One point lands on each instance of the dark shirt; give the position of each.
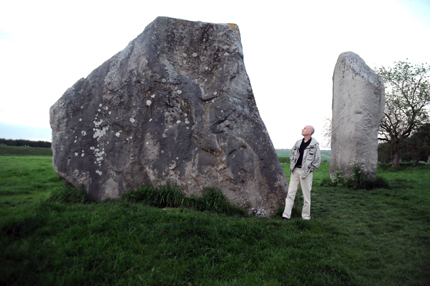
(302, 150)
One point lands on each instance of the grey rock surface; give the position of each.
(358, 108)
(176, 104)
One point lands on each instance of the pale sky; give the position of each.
(290, 50)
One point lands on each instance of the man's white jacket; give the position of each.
(311, 157)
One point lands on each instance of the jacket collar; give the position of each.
(313, 142)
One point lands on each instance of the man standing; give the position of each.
(305, 158)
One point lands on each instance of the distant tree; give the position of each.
(418, 144)
(407, 95)
(415, 148)
(384, 153)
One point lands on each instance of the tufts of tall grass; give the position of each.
(159, 196)
(163, 196)
(377, 183)
(68, 194)
(171, 196)
(356, 181)
(214, 200)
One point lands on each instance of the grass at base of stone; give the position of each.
(170, 195)
(355, 237)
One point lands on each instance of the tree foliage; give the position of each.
(407, 96)
(418, 145)
(416, 148)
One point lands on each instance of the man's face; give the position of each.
(307, 130)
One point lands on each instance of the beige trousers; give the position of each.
(306, 184)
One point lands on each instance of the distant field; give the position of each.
(29, 151)
(325, 154)
(37, 151)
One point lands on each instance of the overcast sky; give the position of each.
(290, 50)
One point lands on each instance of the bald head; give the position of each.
(307, 131)
(311, 128)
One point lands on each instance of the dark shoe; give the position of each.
(284, 218)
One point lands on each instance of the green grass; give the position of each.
(171, 196)
(25, 180)
(355, 237)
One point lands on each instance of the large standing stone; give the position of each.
(358, 108)
(176, 104)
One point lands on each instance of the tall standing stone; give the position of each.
(176, 104)
(358, 108)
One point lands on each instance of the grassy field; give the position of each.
(325, 154)
(355, 237)
(24, 151)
